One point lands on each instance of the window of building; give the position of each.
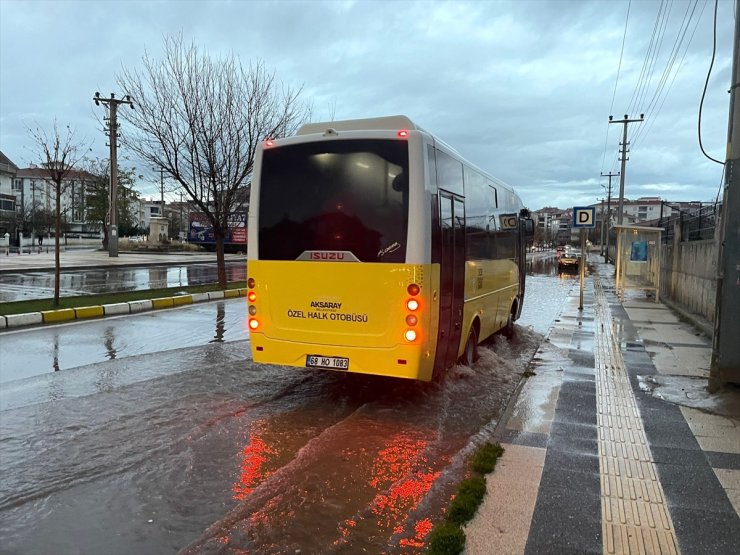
(17, 184)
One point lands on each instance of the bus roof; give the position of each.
(387, 122)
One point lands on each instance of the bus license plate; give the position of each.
(335, 363)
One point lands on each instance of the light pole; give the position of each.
(112, 104)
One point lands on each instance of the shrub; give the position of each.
(447, 539)
(484, 459)
(468, 499)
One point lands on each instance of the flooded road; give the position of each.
(198, 449)
(39, 284)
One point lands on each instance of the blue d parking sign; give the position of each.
(584, 217)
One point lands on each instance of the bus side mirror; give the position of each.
(529, 227)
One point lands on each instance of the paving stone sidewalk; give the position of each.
(614, 445)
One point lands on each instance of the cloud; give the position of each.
(522, 89)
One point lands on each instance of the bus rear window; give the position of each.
(341, 195)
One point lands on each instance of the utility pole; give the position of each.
(725, 365)
(624, 144)
(601, 233)
(112, 104)
(161, 189)
(608, 211)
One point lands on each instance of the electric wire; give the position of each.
(651, 112)
(654, 58)
(645, 62)
(675, 50)
(721, 182)
(616, 82)
(706, 84)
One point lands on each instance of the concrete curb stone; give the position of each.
(199, 297)
(27, 319)
(139, 306)
(115, 309)
(61, 315)
(88, 312)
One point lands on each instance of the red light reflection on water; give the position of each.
(254, 457)
(402, 477)
(421, 531)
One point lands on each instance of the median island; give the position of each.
(42, 305)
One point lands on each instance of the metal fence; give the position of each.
(696, 224)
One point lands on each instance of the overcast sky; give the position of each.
(522, 89)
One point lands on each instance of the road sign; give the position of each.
(584, 217)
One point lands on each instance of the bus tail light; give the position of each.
(413, 289)
(251, 283)
(252, 310)
(411, 320)
(410, 335)
(412, 305)
(251, 296)
(403, 133)
(253, 323)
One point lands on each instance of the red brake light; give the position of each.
(413, 289)
(251, 296)
(403, 133)
(269, 142)
(250, 283)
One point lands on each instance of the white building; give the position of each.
(147, 209)
(7, 197)
(34, 191)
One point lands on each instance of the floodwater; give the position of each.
(24, 286)
(198, 449)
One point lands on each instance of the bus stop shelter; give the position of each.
(638, 259)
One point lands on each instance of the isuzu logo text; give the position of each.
(326, 256)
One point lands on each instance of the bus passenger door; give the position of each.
(452, 277)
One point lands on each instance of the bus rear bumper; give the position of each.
(414, 362)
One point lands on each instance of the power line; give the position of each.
(669, 68)
(643, 71)
(616, 82)
(706, 83)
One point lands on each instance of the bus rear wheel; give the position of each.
(470, 354)
(508, 330)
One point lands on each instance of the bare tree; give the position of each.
(58, 154)
(200, 119)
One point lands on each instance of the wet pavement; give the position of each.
(153, 438)
(614, 445)
(31, 276)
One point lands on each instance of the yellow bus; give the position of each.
(373, 247)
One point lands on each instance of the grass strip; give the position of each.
(448, 537)
(38, 305)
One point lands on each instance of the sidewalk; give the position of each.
(81, 259)
(614, 446)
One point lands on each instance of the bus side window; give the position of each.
(449, 174)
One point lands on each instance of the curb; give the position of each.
(99, 311)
